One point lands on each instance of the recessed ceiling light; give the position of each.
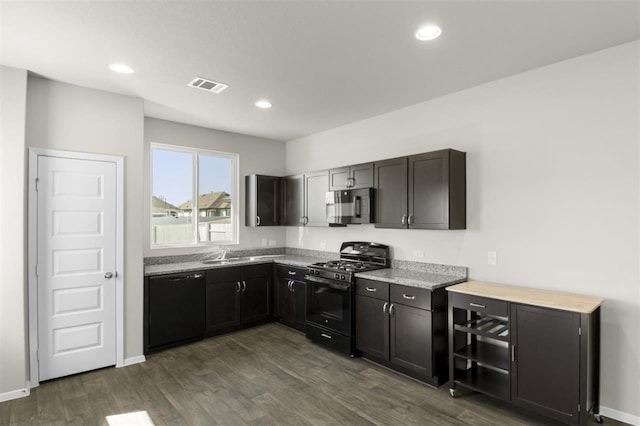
(121, 68)
(263, 104)
(428, 32)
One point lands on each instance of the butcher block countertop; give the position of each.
(530, 296)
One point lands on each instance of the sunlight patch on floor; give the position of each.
(135, 418)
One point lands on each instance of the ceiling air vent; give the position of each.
(208, 85)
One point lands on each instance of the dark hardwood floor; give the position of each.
(265, 375)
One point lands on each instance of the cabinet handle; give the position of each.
(384, 307)
(408, 297)
(371, 289)
(326, 336)
(391, 309)
(244, 286)
(477, 305)
(301, 220)
(257, 220)
(197, 275)
(239, 287)
(404, 219)
(290, 285)
(291, 272)
(513, 353)
(410, 219)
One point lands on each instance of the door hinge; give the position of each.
(37, 180)
(578, 408)
(38, 355)
(36, 270)
(579, 331)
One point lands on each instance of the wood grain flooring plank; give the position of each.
(267, 375)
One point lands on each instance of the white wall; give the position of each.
(257, 155)
(13, 325)
(72, 118)
(552, 186)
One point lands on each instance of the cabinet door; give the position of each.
(362, 176)
(437, 190)
(292, 200)
(546, 371)
(268, 200)
(339, 178)
(284, 301)
(256, 306)
(262, 200)
(222, 299)
(316, 186)
(372, 327)
(410, 346)
(391, 193)
(299, 303)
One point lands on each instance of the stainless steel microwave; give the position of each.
(350, 206)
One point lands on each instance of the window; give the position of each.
(194, 196)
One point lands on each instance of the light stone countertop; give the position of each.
(412, 278)
(420, 279)
(175, 268)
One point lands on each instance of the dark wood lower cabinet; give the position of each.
(411, 339)
(540, 358)
(403, 328)
(291, 296)
(238, 297)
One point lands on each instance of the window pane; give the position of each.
(215, 180)
(171, 204)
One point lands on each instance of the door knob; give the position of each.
(108, 275)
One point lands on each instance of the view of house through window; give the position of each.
(192, 196)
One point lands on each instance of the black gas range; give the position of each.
(331, 295)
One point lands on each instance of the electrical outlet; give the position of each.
(418, 253)
(492, 258)
(264, 242)
(272, 242)
(323, 245)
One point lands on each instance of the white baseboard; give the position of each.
(20, 393)
(132, 360)
(620, 416)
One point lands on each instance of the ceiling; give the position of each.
(322, 64)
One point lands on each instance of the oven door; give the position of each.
(329, 304)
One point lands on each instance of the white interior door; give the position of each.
(76, 264)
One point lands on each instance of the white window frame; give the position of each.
(235, 190)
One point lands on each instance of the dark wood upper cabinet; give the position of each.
(391, 193)
(351, 177)
(316, 186)
(424, 191)
(303, 201)
(263, 200)
(293, 200)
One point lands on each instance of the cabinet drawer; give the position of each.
(371, 288)
(291, 272)
(479, 304)
(330, 339)
(411, 296)
(256, 271)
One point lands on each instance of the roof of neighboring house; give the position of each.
(158, 205)
(212, 200)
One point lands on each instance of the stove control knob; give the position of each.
(317, 272)
(342, 277)
(337, 276)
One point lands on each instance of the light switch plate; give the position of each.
(264, 242)
(418, 253)
(492, 258)
(272, 242)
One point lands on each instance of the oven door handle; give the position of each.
(327, 282)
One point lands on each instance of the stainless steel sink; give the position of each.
(239, 259)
